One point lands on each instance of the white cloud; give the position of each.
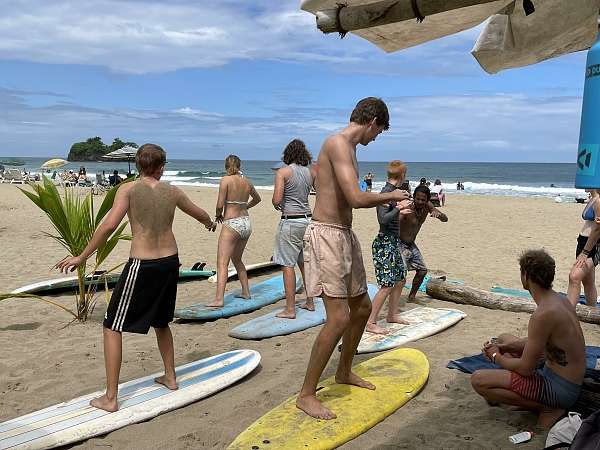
(135, 36)
(501, 127)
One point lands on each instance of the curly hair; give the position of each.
(371, 108)
(423, 189)
(233, 165)
(297, 153)
(538, 266)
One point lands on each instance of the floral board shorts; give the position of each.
(387, 259)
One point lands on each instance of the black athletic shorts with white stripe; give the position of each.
(144, 296)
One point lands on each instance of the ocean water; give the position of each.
(509, 179)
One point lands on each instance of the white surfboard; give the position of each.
(139, 400)
(424, 322)
(249, 268)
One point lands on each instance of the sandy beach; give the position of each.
(44, 362)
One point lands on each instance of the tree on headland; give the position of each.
(118, 143)
(93, 148)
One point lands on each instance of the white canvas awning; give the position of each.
(510, 38)
(557, 27)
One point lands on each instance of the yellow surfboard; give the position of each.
(398, 375)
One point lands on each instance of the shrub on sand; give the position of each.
(74, 222)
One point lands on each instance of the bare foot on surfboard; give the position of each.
(169, 383)
(244, 296)
(376, 329)
(104, 403)
(314, 408)
(397, 318)
(354, 380)
(286, 314)
(309, 306)
(215, 304)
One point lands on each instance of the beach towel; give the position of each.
(470, 364)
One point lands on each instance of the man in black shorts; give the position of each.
(145, 294)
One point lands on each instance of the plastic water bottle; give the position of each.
(523, 436)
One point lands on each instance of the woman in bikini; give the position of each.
(232, 211)
(587, 254)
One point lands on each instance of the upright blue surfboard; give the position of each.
(363, 186)
(588, 175)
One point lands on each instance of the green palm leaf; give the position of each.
(73, 219)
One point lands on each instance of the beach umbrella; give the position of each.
(126, 153)
(54, 163)
(517, 32)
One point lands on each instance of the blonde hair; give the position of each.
(396, 169)
(233, 165)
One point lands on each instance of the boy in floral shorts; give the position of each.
(390, 269)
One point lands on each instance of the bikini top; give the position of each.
(588, 212)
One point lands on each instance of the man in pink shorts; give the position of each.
(332, 254)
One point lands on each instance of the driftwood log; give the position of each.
(476, 297)
(358, 17)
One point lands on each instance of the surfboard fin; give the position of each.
(198, 266)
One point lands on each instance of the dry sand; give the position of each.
(42, 362)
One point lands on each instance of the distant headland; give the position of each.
(93, 148)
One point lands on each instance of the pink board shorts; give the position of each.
(333, 261)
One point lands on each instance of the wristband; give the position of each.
(494, 357)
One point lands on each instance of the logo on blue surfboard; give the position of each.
(587, 157)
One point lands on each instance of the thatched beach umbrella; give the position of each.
(54, 163)
(123, 154)
(518, 32)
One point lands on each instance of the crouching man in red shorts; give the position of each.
(554, 334)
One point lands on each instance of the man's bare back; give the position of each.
(151, 211)
(565, 346)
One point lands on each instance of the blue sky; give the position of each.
(212, 77)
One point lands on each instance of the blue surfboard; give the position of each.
(262, 294)
(423, 287)
(363, 186)
(269, 325)
(521, 293)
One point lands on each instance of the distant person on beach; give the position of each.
(587, 254)
(232, 211)
(114, 179)
(332, 254)
(438, 190)
(410, 225)
(423, 181)
(405, 186)
(369, 180)
(145, 294)
(553, 331)
(390, 271)
(293, 183)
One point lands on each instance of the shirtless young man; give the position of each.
(145, 294)
(410, 225)
(332, 255)
(554, 332)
